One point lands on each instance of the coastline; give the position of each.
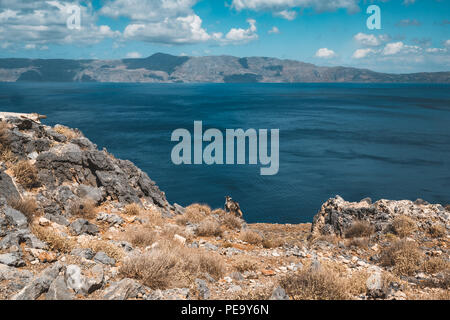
(95, 225)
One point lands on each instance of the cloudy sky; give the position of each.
(414, 34)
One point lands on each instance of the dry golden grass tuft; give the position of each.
(67, 132)
(110, 249)
(132, 209)
(55, 241)
(169, 264)
(209, 227)
(403, 226)
(242, 264)
(85, 208)
(154, 268)
(315, 285)
(196, 212)
(359, 243)
(231, 222)
(437, 231)
(141, 236)
(28, 206)
(26, 174)
(270, 243)
(404, 256)
(359, 229)
(435, 265)
(251, 237)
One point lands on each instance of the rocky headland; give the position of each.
(77, 223)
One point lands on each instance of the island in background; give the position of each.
(165, 68)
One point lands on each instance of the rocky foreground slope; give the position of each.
(77, 223)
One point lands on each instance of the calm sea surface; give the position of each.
(378, 141)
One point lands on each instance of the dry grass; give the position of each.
(359, 243)
(435, 265)
(315, 285)
(242, 264)
(403, 226)
(270, 243)
(195, 213)
(67, 132)
(141, 237)
(55, 241)
(404, 256)
(172, 265)
(28, 206)
(132, 209)
(437, 231)
(26, 174)
(231, 222)
(85, 208)
(110, 249)
(359, 229)
(251, 237)
(209, 227)
(155, 268)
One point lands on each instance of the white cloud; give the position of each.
(41, 22)
(362, 53)
(370, 39)
(286, 14)
(394, 48)
(239, 35)
(134, 55)
(447, 43)
(325, 53)
(274, 30)
(278, 5)
(181, 30)
(30, 46)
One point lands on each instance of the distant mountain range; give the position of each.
(162, 67)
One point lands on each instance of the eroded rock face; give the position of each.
(337, 215)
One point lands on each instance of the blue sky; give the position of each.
(414, 34)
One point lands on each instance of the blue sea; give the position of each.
(355, 140)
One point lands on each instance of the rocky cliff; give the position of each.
(77, 223)
(218, 69)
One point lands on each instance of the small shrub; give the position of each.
(26, 174)
(27, 206)
(83, 208)
(231, 222)
(141, 237)
(211, 263)
(55, 241)
(437, 231)
(403, 226)
(359, 229)
(315, 285)
(251, 237)
(359, 242)
(209, 228)
(243, 264)
(110, 249)
(69, 133)
(4, 134)
(196, 212)
(272, 243)
(155, 268)
(132, 209)
(404, 256)
(435, 265)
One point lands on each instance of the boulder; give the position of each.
(122, 290)
(12, 259)
(16, 218)
(104, 258)
(82, 226)
(7, 188)
(39, 284)
(58, 290)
